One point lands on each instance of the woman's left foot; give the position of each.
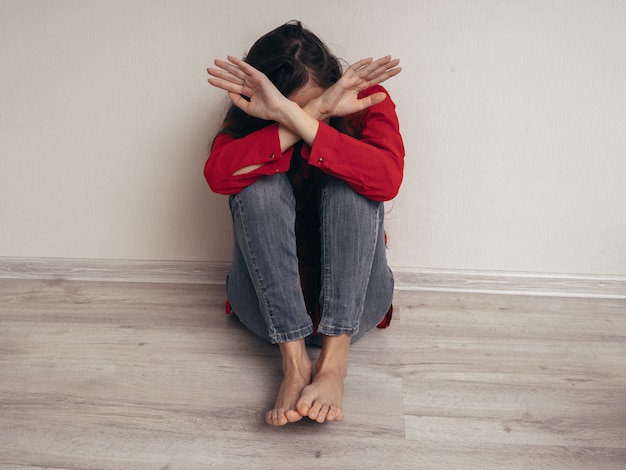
(323, 399)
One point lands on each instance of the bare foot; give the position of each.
(323, 399)
(297, 375)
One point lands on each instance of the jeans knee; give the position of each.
(265, 196)
(338, 194)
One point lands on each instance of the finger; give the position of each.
(384, 63)
(379, 76)
(388, 74)
(232, 88)
(385, 75)
(393, 72)
(360, 64)
(217, 83)
(231, 69)
(225, 76)
(239, 101)
(391, 64)
(227, 85)
(223, 84)
(372, 100)
(242, 65)
(380, 66)
(376, 64)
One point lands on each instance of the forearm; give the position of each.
(371, 161)
(287, 138)
(294, 125)
(234, 163)
(297, 124)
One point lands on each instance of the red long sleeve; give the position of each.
(372, 162)
(229, 154)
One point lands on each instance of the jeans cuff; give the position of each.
(285, 337)
(330, 330)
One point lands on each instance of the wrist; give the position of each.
(315, 109)
(281, 112)
(300, 122)
(287, 113)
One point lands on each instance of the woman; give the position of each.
(307, 155)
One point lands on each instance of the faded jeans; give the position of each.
(263, 285)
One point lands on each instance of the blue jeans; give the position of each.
(263, 285)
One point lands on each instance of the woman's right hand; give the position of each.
(249, 89)
(342, 99)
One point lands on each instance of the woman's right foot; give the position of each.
(297, 368)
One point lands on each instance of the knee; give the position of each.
(338, 194)
(265, 195)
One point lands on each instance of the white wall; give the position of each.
(513, 113)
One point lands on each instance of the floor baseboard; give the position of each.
(176, 272)
(516, 283)
(410, 279)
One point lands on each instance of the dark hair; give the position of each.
(289, 56)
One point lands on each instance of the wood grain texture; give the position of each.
(68, 269)
(134, 375)
(428, 280)
(511, 283)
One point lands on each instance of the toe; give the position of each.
(275, 418)
(314, 411)
(334, 414)
(293, 416)
(281, 419)
(303, 407)
(322, 414)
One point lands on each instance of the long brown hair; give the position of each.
(289, 56)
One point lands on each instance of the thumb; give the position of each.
(239, 101)
(373, 99)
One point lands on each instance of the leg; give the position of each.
(243, 297)
(264, 283)
(357, 284)
(356, 293)
(379, 295)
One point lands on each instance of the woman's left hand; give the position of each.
(342, 99)
(249, 90)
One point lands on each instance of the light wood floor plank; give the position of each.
(127, 375)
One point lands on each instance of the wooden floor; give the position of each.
(106, 375)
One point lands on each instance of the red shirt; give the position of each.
(371, 162)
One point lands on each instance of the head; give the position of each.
(291, 56)
(294, 59)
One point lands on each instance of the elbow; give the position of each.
(391, 188)
(392, 194)
(387, 194)
(382, 193)
(216, 182)
(215, 186)
(397, 183)
(220, 186)
(392, 175)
